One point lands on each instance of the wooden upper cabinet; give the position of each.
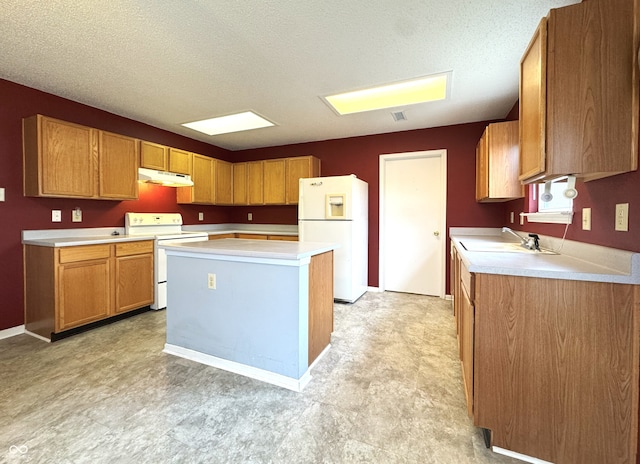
(497, 163)
(223, 183)
(60, 158)
(203, 179)
(240, 183)
(274, 182)
(179, 161)
(579, 93)
(118, 166)
(296, 169)
(255, 183)
(153, 156)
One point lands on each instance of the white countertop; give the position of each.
(104, 235)
(592, 263)
(266, 249)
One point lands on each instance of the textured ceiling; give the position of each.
(167, 62)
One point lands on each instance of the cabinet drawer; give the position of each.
(134, 248)
(286, 238)
(468, 281)
(221, 236)
(84, 253)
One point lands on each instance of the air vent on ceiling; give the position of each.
(399, 116)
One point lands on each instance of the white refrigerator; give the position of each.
(335, 209)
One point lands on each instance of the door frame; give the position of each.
(442, 154)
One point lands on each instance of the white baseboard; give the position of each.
(11, 332)
(374, 289)
(522, 457)
(37, 336)
(248, 371)
(448, 297)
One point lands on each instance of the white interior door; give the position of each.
(412, 222)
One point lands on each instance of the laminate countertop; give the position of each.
(571, 261)
(254, 249)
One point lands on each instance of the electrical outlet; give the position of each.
(1, 193)
(622, 217)
(56, 215)
(76, 215)
(586, 218)
(511, 217)
(211, 281)
(200, 216)
(521, 219)
(249, 216)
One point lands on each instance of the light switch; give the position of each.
(56, 215)
(586, 218)
(1, 193)
(200, 216)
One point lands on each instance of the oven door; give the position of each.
(160, 291)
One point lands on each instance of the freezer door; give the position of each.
(315, 193)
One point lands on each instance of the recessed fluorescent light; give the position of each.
(231, 123)
(421, 90)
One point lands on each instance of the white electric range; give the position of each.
(164, 228)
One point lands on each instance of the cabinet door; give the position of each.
(482, 168)
(59, 158)
(255, 182)
(134, 282)
(118, 161)
(223, 183)
(240, 184)
(203, 175)
(533, 104)
(296, 169)
(153, 156)
(274, 182)
(84, 293)
(179, 161)
(467, 317)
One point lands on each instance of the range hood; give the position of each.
(168, 179)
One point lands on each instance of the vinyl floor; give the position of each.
(388, 391)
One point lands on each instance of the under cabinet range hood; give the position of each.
(168, 179)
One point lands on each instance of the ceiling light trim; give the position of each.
(230, 123)
(420, 90)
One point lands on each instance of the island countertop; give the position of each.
(265, 249)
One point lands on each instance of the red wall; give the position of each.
(360, 156)
(19, 213)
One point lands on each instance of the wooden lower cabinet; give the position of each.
(69, 287)
(550, 366)
(84, 293)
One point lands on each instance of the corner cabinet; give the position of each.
(497, 163)
(550, 366)
(577, 115)
(68, 287)
(63, 159)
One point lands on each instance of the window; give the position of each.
(559, 202)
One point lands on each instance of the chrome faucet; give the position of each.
(531, 243)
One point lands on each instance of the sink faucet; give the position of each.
(531, 243)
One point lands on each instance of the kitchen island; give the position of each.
(258, 308)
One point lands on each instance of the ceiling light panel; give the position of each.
(421, 90)
(231, 123)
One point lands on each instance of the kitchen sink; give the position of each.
(501, 247)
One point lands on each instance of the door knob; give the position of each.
(436, 233)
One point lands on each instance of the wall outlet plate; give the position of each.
(622, 217)
(56, 215)
(200, 216)
(76, 215)
(1, 193)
